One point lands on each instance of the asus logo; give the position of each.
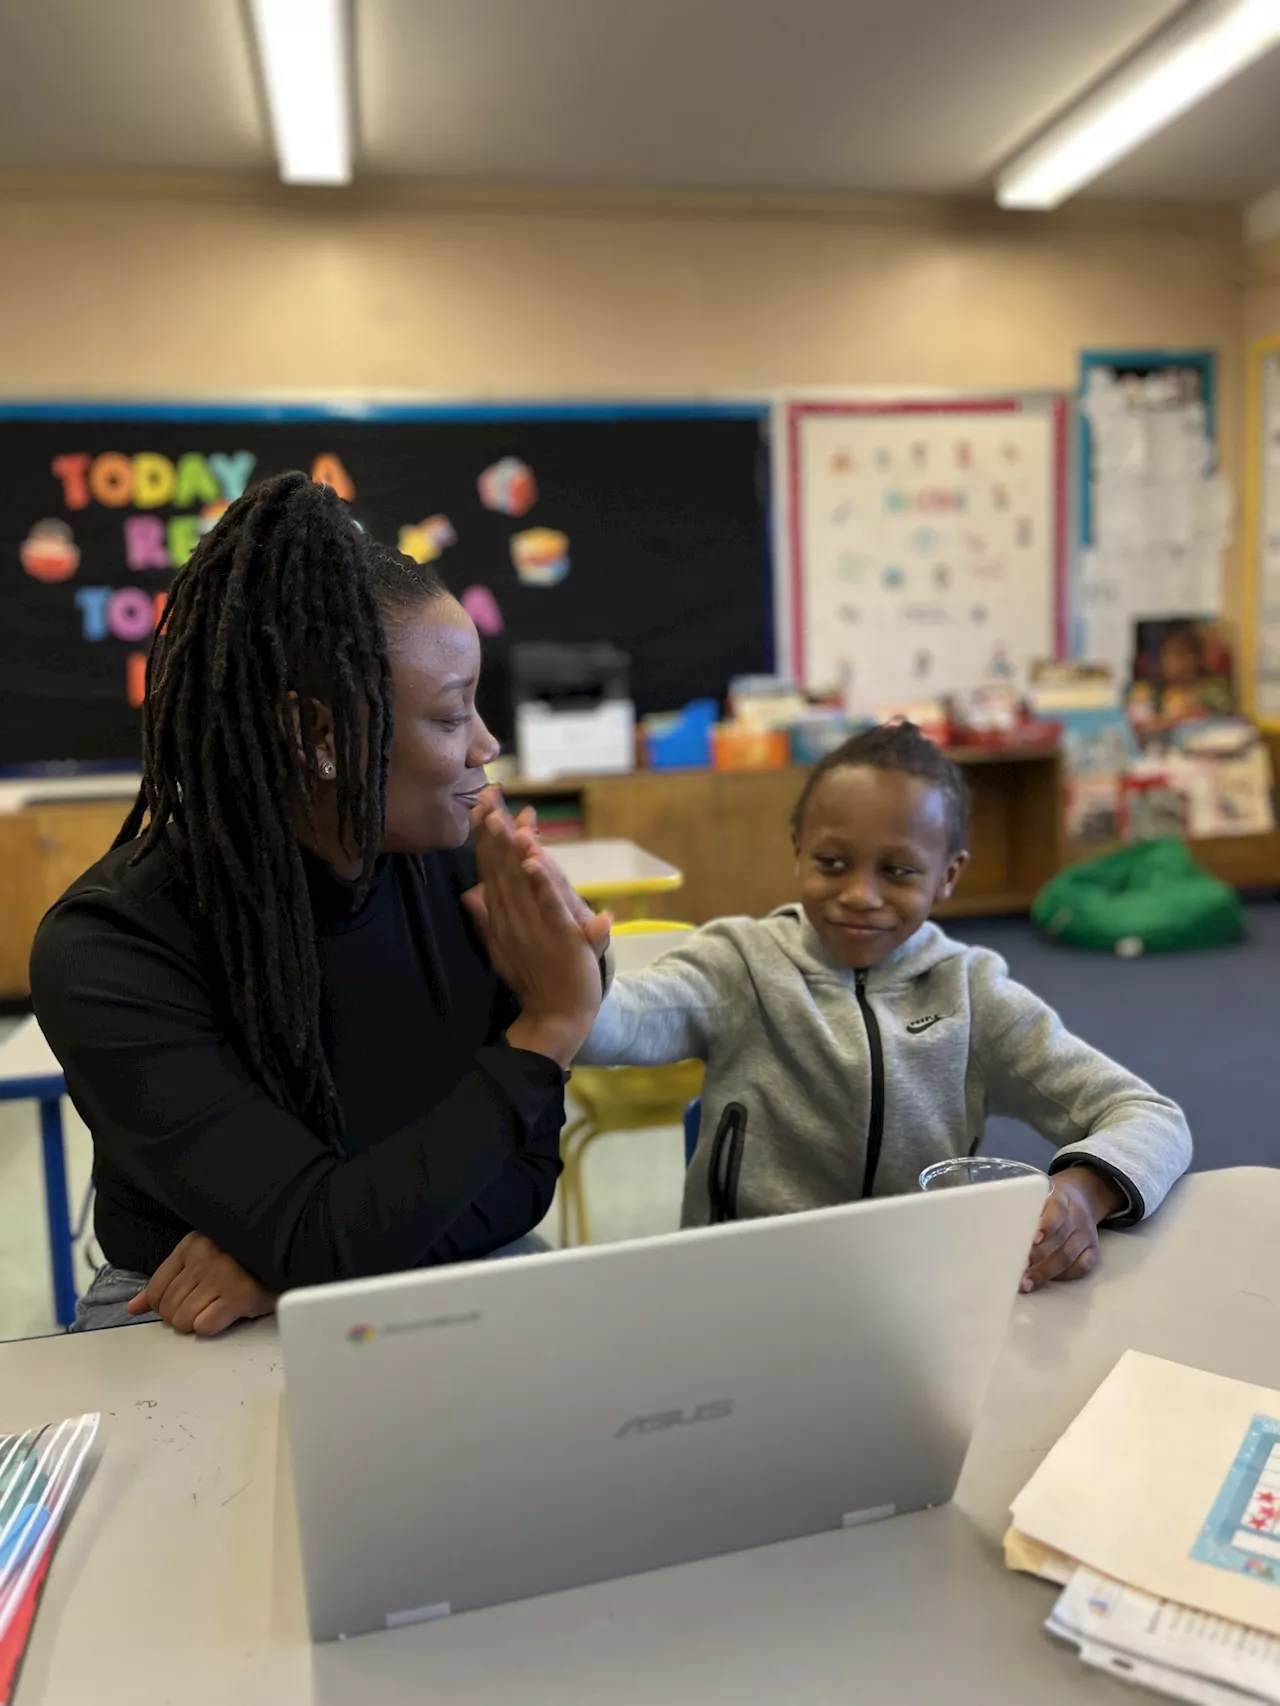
(715, 1411)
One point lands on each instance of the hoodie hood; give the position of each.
(790, 929)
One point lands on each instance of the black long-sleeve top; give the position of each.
(450, 1145)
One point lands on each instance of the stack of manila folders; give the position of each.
(1158, 1514)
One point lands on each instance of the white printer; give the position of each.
(574, 715)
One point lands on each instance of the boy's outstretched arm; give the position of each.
(670, 1011)
(1121, 1144)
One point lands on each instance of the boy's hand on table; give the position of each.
(200, 1290)
(1066, 1243)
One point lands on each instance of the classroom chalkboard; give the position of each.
(642, 525)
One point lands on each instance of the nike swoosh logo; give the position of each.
(917, 1025)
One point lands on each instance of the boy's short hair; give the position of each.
(901, 747)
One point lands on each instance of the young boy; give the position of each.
(864, 1043)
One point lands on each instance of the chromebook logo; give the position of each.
(366, 1335)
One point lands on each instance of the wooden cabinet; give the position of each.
(729, 831)
(43, 849)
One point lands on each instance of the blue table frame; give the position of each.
(48, 1090)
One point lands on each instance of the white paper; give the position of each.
(1145, 1673)
(1172, 1636)
(1162, 518)
(1216, 525)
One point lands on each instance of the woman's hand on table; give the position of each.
(199, 1289)
(1066, 1242)
(535, 942)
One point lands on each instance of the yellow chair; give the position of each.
(621, 1098)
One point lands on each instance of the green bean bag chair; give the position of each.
(1149, 898)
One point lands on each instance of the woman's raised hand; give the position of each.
(536, 941)
(595, 926)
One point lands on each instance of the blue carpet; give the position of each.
(1203, 1028)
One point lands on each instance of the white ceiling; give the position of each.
(876, 95)
(1227, 147)
(123, 84)
(890, 96)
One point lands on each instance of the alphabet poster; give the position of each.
(925, 543)
(645, 525)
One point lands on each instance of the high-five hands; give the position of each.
(538, 938)
(595, 926)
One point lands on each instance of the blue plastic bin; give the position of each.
(814, 736)
(682, 740)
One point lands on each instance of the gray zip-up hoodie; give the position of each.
(853, 1082)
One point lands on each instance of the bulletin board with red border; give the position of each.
(925, 540)
(644, 524)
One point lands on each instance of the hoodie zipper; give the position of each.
(726, 1163)
(875, 1122)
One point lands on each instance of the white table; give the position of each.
(178, 1579)
(25, 791)
(29, 1071)
(603, 870)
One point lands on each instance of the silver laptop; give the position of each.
(468, 1435)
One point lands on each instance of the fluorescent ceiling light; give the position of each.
(303, 52)
(1200, 53)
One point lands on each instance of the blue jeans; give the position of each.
(111, 1290)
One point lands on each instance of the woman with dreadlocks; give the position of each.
(305, 1047)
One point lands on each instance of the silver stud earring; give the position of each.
(328, 769)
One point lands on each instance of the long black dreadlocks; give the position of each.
(282, 606)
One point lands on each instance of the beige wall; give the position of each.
(151, 288)
(1262, 293)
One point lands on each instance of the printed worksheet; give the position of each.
(1165, 1646)
(1243, 1529)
